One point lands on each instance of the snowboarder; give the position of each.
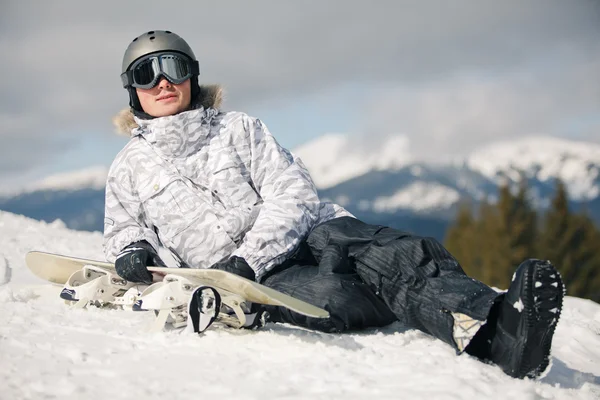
(217, 189)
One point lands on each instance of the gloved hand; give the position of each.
(133, 260)
(236, 265)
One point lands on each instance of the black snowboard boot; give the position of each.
(527, 318)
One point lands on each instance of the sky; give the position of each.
(451, 76)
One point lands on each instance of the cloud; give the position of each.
(451, 117)
(62, 75)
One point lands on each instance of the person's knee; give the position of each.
(353, 305)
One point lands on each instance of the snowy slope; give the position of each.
(50, 351)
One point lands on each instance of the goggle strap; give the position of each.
(195, 68)
(127, 78)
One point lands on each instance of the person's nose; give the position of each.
(164, 83)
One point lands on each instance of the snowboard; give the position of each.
(58, 268)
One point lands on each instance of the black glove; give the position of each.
(133, 260)
(236, 265)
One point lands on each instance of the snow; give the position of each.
(48, 350)
(88, 178)
(519, 305)
(334, 158)
(576, 163)
(5, 271)
(430, 196)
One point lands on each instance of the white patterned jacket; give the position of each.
(207, 185)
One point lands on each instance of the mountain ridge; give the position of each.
(387, 187)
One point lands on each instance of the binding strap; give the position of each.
(203, 308)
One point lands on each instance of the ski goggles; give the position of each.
(146, 72)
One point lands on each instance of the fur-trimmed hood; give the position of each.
(211, 96)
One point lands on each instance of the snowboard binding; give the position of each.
(177, 301)
(180, 301)
(98, 287)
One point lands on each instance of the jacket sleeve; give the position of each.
(291, 203)
(123, 217)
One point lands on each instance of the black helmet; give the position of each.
(156, 42)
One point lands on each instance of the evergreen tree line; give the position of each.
(493, 240)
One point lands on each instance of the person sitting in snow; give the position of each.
(218, 191)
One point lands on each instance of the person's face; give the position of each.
(165, 98)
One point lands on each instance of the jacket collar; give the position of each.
(177, 135)
(210, 97)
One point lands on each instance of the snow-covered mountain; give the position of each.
(76, 198)
(336, 158)
(49, 350)
(543, 158)
(387, 181)
(88, 178)
(379, 181)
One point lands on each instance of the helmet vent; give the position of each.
(168, 32)
(151, 33)
(152, 37)
(135, 39)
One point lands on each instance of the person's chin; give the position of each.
(169, 109)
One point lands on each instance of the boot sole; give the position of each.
(542, 303)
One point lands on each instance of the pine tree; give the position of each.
(570, 241)
(510, 235)
(581, 272)
(493, 243)
(460, 238)
(588, 284)
(554, 241)
(522, 227)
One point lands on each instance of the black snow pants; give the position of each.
(370, 275)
